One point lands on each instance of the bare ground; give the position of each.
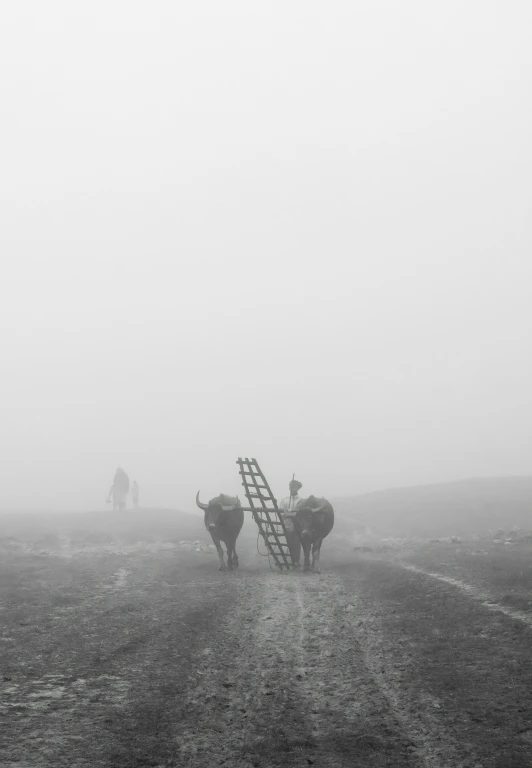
(151, 657)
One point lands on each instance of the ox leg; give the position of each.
(220, 552)
(316, 549)
(306, 552)
(230, 555)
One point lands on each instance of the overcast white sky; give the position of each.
(298, 231)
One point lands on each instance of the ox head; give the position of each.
(217, 508)
(310, 516)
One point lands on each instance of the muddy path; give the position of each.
(132, 662)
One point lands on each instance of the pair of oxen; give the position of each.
(223, 516)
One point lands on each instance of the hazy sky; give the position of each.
(298, 231)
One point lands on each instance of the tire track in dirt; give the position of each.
(231, 713)
(416, 709)
(459, 672)
(351, 717)
(300, 682)
(363, 689)
(252, 711)
(476, 594)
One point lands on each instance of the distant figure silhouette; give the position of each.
(135, 494)
(119, 490)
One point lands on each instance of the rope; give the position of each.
(265, 554)
(262, 554)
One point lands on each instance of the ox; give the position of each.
(313, 521)
(224, 517)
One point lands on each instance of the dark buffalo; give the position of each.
(313, 521)
(224, 517)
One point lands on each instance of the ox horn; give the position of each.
(318, 509)
(199, 503)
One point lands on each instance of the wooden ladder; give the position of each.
(267, 517)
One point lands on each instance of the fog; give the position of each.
(296, 231)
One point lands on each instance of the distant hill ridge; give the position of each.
(461, 507)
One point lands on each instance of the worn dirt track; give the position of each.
(153, 660)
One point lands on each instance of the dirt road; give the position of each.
(149, 660)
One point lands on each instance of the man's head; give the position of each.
(294, 486)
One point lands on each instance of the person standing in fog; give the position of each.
(287, 508)
(119, 490)
(135, 494)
